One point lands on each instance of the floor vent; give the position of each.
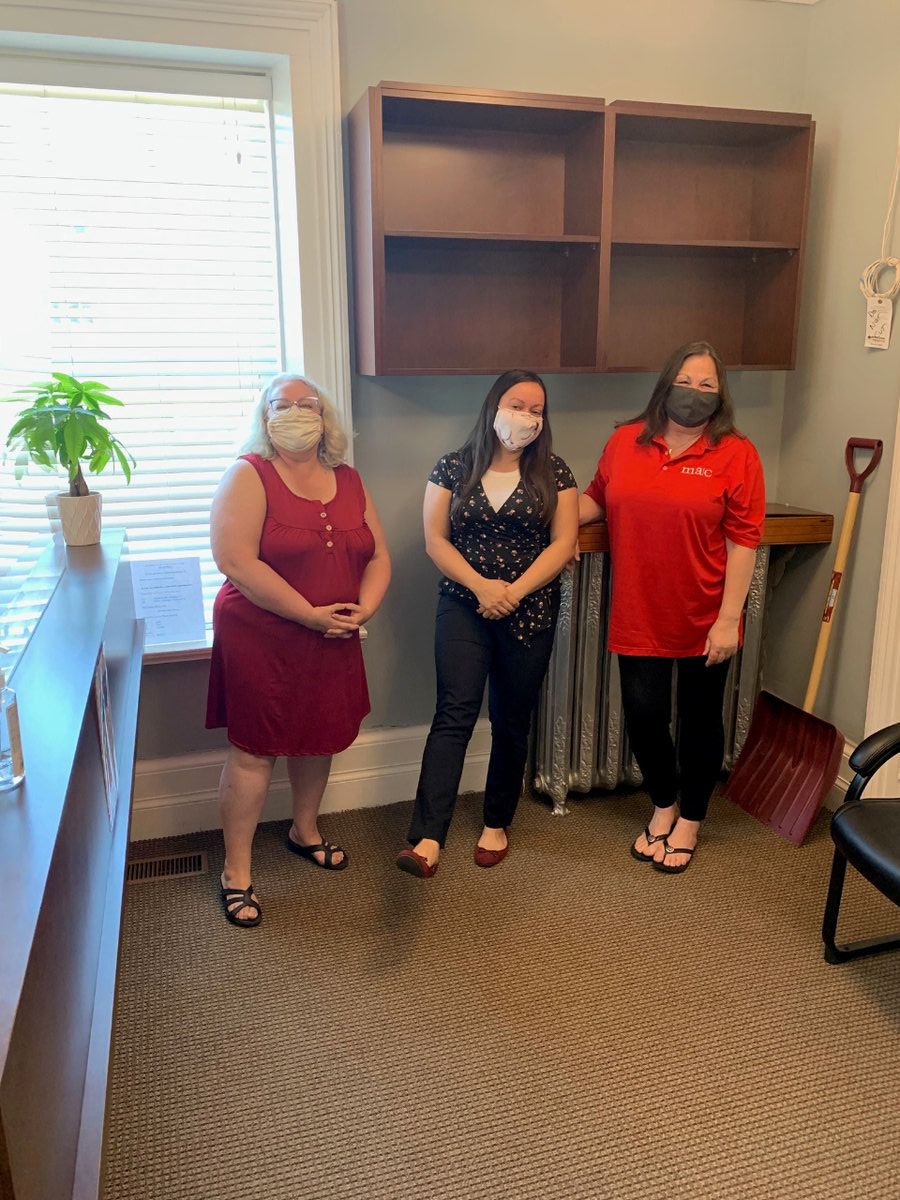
(144, 870)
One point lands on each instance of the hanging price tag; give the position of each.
(879, 313)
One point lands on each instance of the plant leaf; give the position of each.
(42, 458)
(100, 459)
(75, 439)
(66, 382)
(123, 457)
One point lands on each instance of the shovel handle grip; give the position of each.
(857, 478)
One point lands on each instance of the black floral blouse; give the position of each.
(504, 544)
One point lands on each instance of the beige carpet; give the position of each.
(569, 1024)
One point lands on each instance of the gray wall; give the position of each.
(588, 48)
(840, 389)
(735, 53)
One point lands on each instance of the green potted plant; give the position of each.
(63, 425)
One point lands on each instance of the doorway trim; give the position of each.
(883, 703)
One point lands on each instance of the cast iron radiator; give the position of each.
(579, 740)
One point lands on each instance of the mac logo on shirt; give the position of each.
(704, 471)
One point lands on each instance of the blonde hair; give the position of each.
(333, 443)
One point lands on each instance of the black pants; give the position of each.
(469, 650)
(647, 701)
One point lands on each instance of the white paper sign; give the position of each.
(879, 311)
(169, 596)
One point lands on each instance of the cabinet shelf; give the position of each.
(706, 177)
(501, 229)
(690, 245)
(562, 239)
(741, 301)
(455, 306)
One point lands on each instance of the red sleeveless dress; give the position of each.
(276, 686)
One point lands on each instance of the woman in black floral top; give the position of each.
(501, 522)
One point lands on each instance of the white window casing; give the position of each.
(291, 58)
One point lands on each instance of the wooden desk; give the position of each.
(784, 526)
(62, 861)
(579, 741)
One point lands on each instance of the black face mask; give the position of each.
(689, 406)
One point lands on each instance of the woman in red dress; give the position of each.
(295, 532)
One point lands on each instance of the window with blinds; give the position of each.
(139, 248)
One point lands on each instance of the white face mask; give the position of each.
(296, 430)
(517, 429)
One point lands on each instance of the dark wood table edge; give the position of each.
(785, 525)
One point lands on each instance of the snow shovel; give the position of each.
(791, 758)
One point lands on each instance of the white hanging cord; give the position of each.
(868, 281)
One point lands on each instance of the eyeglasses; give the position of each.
(305, 403)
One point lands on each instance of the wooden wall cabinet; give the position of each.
(707, 219)
(477, 221)
(499, 229)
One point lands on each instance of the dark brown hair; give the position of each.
(477, 453)
(654, 418)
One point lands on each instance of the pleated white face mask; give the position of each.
(296, 430)
(516, 429)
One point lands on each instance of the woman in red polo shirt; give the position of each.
(683, 496)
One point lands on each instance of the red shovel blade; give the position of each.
(788, 765)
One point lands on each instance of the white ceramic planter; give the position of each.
(80, 518)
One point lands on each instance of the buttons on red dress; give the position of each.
(323, 514)
(328, 527)
(329, 543)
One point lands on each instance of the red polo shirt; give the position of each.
(668, 520)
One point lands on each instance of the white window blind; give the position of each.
(139, 248)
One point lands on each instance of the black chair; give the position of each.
(866, 834)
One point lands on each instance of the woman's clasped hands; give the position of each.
(495, 599)
(341, 620)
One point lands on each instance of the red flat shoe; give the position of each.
(490, 858)
(416, 864)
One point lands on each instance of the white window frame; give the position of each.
(297, 41)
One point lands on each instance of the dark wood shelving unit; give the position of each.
(477, 220)
(707, 222)
(497, 229)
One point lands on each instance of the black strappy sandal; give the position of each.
(329, 851)
(233, 900)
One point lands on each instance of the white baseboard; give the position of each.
(835, 797)
(180, 795)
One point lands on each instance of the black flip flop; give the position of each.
(652, 838)
(661, 866)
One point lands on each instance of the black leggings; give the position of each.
(647, 701)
